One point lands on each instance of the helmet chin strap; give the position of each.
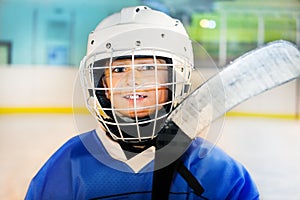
(164, 137)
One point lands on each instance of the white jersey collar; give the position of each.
(113, 148)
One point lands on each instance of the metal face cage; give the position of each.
(131, 92)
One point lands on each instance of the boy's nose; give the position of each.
(134, 78)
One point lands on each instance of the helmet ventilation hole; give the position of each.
(108, 45)
(138, 43)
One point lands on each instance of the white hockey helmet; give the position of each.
(136, 32)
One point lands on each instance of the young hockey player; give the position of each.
(137, 69)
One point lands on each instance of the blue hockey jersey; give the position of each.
(75, 172)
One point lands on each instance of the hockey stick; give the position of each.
(251, 74)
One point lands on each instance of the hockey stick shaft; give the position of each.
(253, 73)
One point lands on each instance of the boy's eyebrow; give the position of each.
(128, 62)
(118, 63)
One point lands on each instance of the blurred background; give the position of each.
(42, 43)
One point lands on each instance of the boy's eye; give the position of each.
(119, 69)
(147, 67)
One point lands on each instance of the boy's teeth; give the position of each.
(136, 96)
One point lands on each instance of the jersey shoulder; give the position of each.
(219, 173)
(57, 171)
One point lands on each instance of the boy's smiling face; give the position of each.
(137, 89)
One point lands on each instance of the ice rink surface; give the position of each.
(269, 149)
